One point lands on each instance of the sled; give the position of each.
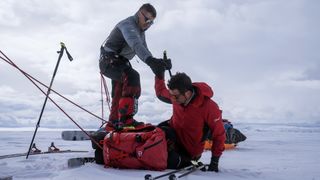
(208, 145)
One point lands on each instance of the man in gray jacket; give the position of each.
(126, 40)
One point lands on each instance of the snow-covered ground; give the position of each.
(271, 151)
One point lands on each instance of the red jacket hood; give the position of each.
(203, 90)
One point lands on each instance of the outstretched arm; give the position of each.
(161, 90)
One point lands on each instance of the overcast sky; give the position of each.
(261, 57)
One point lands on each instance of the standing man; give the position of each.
(126, 40)
(194, 113)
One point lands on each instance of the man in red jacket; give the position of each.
(194, 113)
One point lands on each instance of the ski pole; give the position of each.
(149, 176)
(63, 48)
(191, 170)
(165, 58)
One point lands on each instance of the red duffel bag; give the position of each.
(145, 148)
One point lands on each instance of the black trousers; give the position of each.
(177, 155)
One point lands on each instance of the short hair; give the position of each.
(180, 81)
(149, 8)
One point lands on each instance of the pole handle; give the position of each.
(165, 58)
(63, 47)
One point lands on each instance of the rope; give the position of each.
(52, 90)
(102, 108)
(104, 88)
(9, 61)
(106, 91)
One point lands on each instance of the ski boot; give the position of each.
(53, 148)
(34, 149)
(128, 107)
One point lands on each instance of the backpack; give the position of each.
(145, 148)
(233, 136)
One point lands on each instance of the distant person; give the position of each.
(194, 113)
(126, 40)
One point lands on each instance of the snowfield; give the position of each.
(271, 151)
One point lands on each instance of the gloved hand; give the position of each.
(168, 64)
(213, 166)
(158, 66)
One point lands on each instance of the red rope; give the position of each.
(106, 91)
(102, 108)
(52, 90)
(105, 88)
(9, 61)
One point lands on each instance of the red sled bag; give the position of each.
(145, 148)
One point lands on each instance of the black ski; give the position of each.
(76, 162)
(38, 153)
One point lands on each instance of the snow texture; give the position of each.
(271, 151)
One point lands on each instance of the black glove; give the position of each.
(213, 166)
(168, 64)
(158, 66)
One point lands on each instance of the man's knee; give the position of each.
(133, 77)
(131, 84)
(169, 132)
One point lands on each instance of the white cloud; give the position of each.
(260, 57)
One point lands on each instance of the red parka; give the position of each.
(189, 121)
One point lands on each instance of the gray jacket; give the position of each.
(127, 40)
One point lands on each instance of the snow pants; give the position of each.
(177, 155)
(126, 88)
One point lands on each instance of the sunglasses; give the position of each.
(175, 96)
(146, 19)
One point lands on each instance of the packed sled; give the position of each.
(233, 137)
(120, 147)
